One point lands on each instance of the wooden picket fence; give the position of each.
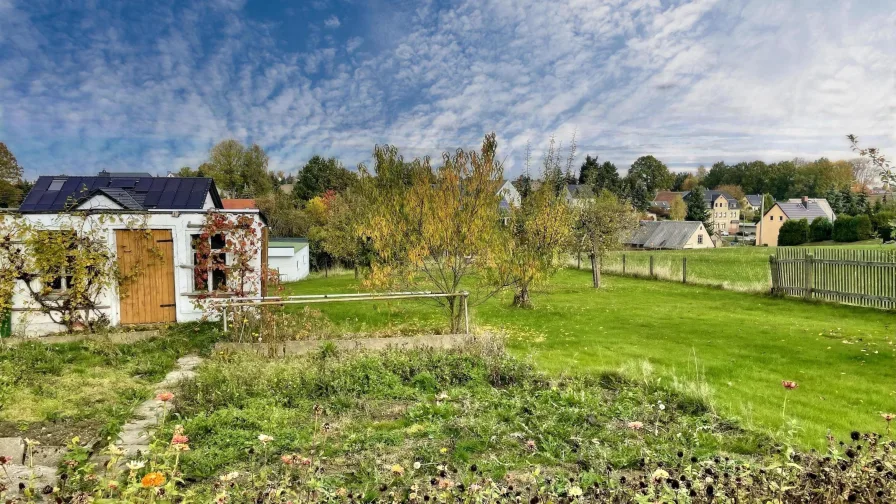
(856, 277)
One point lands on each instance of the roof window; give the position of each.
(56, 184)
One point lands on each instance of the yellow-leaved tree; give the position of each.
(538, 233)
(434, 228)
(606, 222)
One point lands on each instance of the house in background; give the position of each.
(577, 194)
(289, 256)
(724, 211)
(783, 211)
(510, 196)
(674, 235)
(172, 211)
(662, 202)
(238, 204)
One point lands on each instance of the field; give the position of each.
(740, 268)
(730, 347)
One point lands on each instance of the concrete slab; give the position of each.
(13, 447)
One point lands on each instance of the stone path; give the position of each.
(134, 437)
(137, 433)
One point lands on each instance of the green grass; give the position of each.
(732, 347)
(88, 389)
(741, 268)
(359, 414)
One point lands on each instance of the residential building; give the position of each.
(803, 208)
(662, 202)
(171, 211)
(238, 203)
(675, 235)
(724, 211)
(510, 196)
(289, 257)
(577, 194)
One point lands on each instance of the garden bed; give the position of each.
(284, 348)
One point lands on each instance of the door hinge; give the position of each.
(172, 305)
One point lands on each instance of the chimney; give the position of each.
(805, 202)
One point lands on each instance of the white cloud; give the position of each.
(332, 22)
(691, 82)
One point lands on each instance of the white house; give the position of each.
(130, 211)
(289, 256)
(674, 235)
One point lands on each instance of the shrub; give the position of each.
(794, 232)
(844, 229)
(864, 230)
(884, 223)
(821, 229)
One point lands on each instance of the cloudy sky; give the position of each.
(151, 86)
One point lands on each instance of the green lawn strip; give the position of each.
(87, 389)
(738, 346)
(361, 414)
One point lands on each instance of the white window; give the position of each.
(210, 275)
(700, 239)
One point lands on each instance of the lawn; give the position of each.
(740, 268)
(88, 389)
(731, 347)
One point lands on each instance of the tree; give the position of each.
(606, 222)
(317, 211)
(678, 209)
(238, 171)
(441, 231)
(537, 232)
(344, 239)
(635, 191)
(880, 162)
(653, 173)
(10, 170)
(820, 229)
(186, 171)
(697, 210)
(793, 232)
(284, 218)
(679, 181)
(733, 190)
(320, 175)
(588, 170)
(863, 172)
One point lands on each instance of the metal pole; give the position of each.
(225, 319)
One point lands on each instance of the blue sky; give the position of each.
(151, 86)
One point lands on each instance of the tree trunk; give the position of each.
(356, 271)
(579, 259)
(595, 271)
(521, 298)
(454, 315)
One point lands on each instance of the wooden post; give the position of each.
(466, 314)
(623, 264)
(808, 267)
(773, 271)
(684, 270)
(651, 266)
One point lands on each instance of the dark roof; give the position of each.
(755, 200)
(663, 234)
(710, 196)
(61, 193)
(796, 209)
(105, 173)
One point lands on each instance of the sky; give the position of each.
(152, 86)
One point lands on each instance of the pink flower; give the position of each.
(5, 460)
(287, 459)
(789, 385)
(165, 396)
(530, 444)
(636, 425)
(180, 439)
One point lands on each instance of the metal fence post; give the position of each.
(684, 270)
(225, 319)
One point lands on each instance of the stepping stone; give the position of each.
(13, 447)
(43, 475)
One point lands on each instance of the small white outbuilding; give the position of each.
(289, 256)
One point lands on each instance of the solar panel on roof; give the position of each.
(123, 183)
(166, 199)
(152, 199)
(143, 184)
(183, 193)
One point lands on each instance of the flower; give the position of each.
(32, 442)
(660, 475)
(442, 396)
(5, 460)
(115, 450)
(445, 483)
(397, 470)
(287, 459)
(530, 444)
(574, 491)
(153, 479)
(165, 396)
(889, 417)
(416, 465)
(179, 439)
(136, 465)
(636, 425)
(265, 439)
(225, 478)
(789, 385)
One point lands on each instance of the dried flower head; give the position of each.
(265, 439)
(636, 425)
(789, 385)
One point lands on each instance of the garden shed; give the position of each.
(168, 242)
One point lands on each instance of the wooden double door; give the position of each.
(149, 295)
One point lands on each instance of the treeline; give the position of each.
(13, 186)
